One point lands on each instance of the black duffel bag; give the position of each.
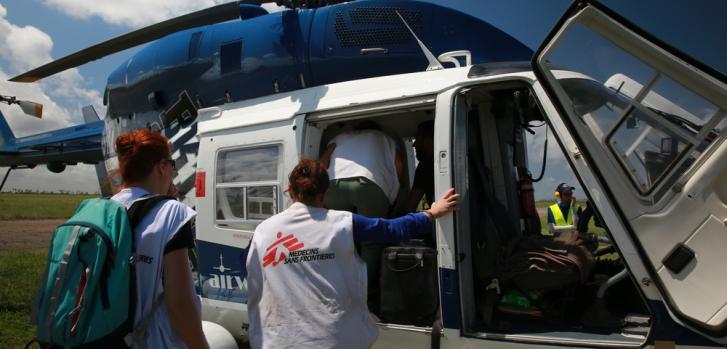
(409, 288)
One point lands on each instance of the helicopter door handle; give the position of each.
(678, 258)
(374, 50)
(443, 162)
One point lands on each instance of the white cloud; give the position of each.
(21, 124)
(24, 48)
(535, 145)
(557, 169)
(135, 13)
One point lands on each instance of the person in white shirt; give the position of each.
(364, 166)
(306, 283)
(162, 238)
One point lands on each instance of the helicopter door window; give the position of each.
(657, 134)
(652, 125)
(646, 148)
(246, 186)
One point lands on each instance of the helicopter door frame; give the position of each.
(390, 334)
(449, 279)
(679, 223)
(456, 265)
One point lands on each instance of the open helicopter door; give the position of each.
(650, 122)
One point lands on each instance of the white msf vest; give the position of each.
(306, 284)
(367, 153)
(152, 235)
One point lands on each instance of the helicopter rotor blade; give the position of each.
(212, 15)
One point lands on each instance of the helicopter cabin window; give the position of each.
(193, 49)
(654, 127)
(246, 186)
(231, 57)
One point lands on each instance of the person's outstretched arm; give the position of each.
(325, 158)
(179, 298)
(409, 226)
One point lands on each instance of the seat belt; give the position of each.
(437, 329)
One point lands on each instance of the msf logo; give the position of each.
(276, 253)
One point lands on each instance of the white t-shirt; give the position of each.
(306, 284)
(152, 235)
(366, 153)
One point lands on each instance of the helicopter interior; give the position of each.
(489, 125)
(602, 305)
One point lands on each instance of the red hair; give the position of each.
(307, 180)
(138, 152)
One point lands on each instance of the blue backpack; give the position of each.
(87, 295)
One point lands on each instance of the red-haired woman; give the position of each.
(162, 239)
(306, 284)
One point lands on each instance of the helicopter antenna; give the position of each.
(433, 62)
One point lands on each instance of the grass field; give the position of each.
(20, 272)
(38, 206)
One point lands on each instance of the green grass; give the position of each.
(20, 272)
(543, 203)
(592, 228)
(39, 206)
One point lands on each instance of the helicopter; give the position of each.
(241, 110)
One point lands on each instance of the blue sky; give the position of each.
(34, 31)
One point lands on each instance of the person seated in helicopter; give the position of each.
(423, 186)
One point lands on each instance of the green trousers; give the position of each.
(364, 197)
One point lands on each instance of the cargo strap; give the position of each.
(492, 296)
(436, 334)
(138, 211)
(60, 278)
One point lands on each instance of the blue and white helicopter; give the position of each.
(243, 94)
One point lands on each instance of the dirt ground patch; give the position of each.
(26, 235)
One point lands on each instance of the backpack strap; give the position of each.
(60, 276)
(141, 208)
(136, 213)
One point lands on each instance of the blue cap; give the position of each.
(564, 187)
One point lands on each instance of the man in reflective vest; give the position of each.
(563, 215)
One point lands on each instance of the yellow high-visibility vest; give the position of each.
(558, 216)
